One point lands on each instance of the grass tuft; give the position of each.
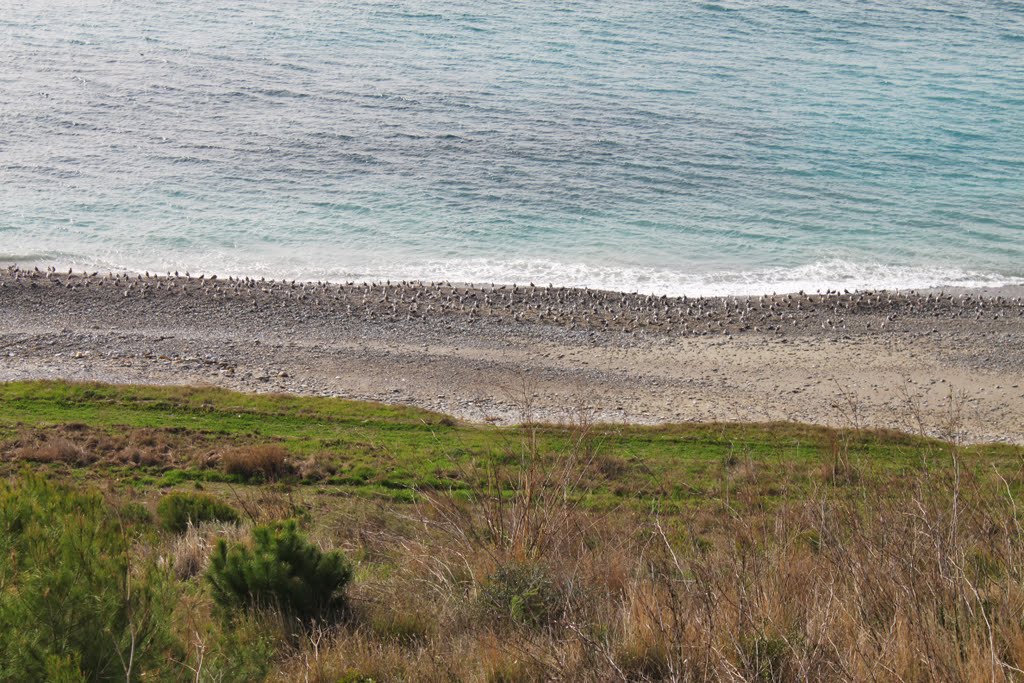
(264, 463)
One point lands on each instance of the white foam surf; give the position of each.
(835, 274)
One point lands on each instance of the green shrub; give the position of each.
(178, 509)
(243, 653)
(521, 594)
(135, 514)
(766, 658)
(279, 571)
(73, 605)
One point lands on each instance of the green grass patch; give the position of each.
(388, 451)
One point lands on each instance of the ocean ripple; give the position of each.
(666, 147)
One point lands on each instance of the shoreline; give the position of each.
(989, 283)
(877, 359)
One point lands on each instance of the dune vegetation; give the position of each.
(174, 533)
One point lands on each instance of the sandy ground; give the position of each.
(911, 361)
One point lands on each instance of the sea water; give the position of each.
(740, 146)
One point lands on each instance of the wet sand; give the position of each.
(931, 361)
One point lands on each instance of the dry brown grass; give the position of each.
(919, 577)
(318, 466)
(190, 552)
(78, 444)
(269, 462)
(55, 450)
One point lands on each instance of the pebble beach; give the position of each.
(946, 363)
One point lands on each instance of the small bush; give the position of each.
(135, 514)
(177, 510)
(521, 595)
(266, 463)
(766, 659)
(280, 571)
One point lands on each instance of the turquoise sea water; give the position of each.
(727, 147)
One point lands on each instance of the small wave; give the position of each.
(10, 258)
(835, 274)
(715, 7)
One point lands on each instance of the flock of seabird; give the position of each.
(570, 308)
